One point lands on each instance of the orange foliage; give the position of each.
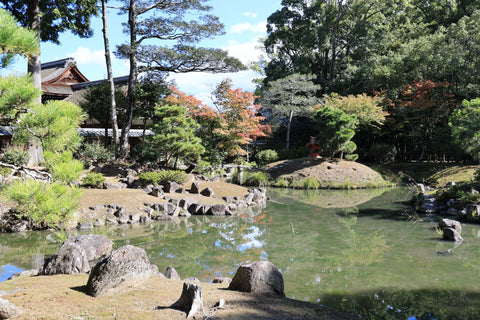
(242, 122)
(237, 121)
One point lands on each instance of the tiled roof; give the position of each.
(100, 132)
(87, 132)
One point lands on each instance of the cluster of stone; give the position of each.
(172, 207)
(429, 205)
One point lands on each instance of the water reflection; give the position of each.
(362, 257)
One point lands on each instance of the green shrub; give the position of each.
(43, 205)
(281, 183)
(63, 167)
(145, 153)
(203, 167)
(310, 183)
(16, 157)
(93, 179)
(266, 156)
(162, 177)
(94, 154)
(351, 157)
(463, 195)
(5, 172)
(256, 179)
(476, 175)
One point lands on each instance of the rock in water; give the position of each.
(126, 264)
(452, 235)
(449, 223)
(260, 277)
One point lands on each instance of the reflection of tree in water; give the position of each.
(26, 250)
(328, 198)
(395, 304)
(356, 249)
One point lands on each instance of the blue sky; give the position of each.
(244, 24)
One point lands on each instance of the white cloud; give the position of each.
(92, 63)
(86, 56)
(250, 14)
(201, 84)
(260, 27)
(246, 52)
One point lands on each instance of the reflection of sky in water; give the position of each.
(7, 270)
(253, 233)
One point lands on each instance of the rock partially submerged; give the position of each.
(128, 264)
(452, 230)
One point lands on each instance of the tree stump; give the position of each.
(191, 299)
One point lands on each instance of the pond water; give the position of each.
(354, 251)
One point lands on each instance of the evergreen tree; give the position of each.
(337, 128)
(294, 95)
(175, 135)
(465, 124)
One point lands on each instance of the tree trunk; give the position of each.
(113, 105)
(144, 130)
(132, 81)
(191, 299)
(289, 126)
(424, 150)
(34, 62)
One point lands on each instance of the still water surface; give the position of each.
(354, 251)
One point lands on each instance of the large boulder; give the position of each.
(128, 264)
(260, 277)
(171, 187)
(71, 258)
(95, 246)
(207, 192)
(195, 188)
(77, 255)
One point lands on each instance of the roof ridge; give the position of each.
(60, 63)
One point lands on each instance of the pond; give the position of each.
(354, 251)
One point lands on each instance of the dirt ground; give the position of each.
(63, 297)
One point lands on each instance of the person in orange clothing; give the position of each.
(314, 147)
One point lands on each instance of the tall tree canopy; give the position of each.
(168, 22)
(358, 46)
